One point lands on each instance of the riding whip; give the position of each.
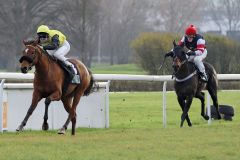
(161, 65)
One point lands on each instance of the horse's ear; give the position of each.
(35, 42)
(25, 42)
(30, 42)
(174, 43)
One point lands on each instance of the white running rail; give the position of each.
(19, 77)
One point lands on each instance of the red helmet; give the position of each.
(191, 30)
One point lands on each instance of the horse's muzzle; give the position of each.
(25, 69)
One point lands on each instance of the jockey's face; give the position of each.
(43, 40)
(190, 38)
(43, 37)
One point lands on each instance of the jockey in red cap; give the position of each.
(197, 49)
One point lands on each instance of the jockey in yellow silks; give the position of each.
(55, 43)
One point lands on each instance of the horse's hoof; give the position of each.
(62, 131)
(45, 127)
(206, 117)
(190, 125)
(19, 129)
(181, 125)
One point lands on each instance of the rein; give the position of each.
(161, 65)
(37, 49)
(41, 51)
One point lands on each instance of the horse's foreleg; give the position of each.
(35, 99)
(45, 118)
(200, 96)
(186, 109)
(182, 105)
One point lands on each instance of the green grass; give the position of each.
(117, 69)
(136, 133)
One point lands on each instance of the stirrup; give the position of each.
(75, 79)
(203, 77)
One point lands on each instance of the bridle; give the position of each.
(30, 59)
(180, 65)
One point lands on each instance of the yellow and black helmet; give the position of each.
(43, 29)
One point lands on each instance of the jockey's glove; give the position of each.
(191, 53)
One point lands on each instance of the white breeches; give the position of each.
(198, 60)
(61, 52)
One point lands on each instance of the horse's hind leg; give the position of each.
(67, 103)
(200, 96)
(45, 124)
(186, 109)
(64, 127)
(73, 114)
(212, 89)
(182, 105)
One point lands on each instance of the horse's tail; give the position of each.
(215, 77)
(212, 75)
(91, 85)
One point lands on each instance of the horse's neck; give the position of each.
(186, 69)
(44, 66)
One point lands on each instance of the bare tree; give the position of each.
(18, 20)
(225, 13)
(80, 19)
(174, 15)
(124, 20)
(214, 13)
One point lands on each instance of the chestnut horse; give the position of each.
(187, 84)
(49, 81)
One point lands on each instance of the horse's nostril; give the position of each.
(24, 69)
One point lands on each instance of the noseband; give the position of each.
(29, 59)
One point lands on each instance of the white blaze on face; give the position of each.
(26, 50)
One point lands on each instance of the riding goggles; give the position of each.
(42, 35)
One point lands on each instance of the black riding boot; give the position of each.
(71, 72)
(203, 76)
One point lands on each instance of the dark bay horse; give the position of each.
(49, 81)
(187, 84)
